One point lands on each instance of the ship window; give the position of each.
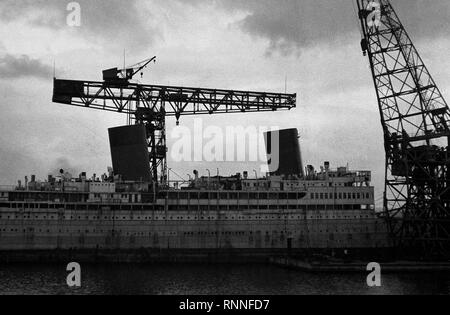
(244, 196)
(162, 195)
(193, 195)
(173, 195)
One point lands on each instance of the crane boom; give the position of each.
(176, 101)
(135, 69)
(416, 124)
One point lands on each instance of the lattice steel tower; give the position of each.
(415, 120)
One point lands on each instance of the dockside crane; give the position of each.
(416, 124)
(149, 105)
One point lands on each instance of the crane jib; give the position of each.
(176, 101)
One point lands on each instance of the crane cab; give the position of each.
(114, 75)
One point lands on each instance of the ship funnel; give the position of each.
(283, 153)
(129, 153)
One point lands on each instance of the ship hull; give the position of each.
(128, 236)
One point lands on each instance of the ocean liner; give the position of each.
(293, 210)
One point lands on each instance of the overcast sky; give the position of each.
(232, 44)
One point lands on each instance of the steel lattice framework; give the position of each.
(151, 104)
(415, 120)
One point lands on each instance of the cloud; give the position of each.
(110, 22)
(15, 163)
(13, 67)
(296, 24)
(289, 24)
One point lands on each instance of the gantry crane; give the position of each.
(151, 104)
(416, 120)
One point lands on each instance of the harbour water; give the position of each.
(39, 279)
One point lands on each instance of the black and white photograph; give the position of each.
(224, 153)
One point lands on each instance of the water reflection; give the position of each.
(209, 279)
